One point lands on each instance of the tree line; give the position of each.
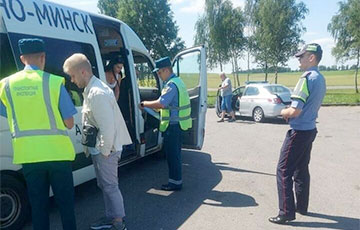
(288, 69)
(267, 32)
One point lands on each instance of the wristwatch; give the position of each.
(142, 104)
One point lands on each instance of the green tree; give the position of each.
(344, 27)
(234, 25)
(221, 30)
(152, 20)
(249, 33)
(210, 24)
(108, 7)
(202, 37)
(277, 32)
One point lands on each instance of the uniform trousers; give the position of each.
(39, 177)
(293, 167)
(106, 170)
(172, 147)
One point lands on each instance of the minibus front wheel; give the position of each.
(14, 203)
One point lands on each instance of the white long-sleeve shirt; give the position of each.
(101, 110)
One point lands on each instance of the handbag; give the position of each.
(89, 135)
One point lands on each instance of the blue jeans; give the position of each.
(172, 147)
(226, 103)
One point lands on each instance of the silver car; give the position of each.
(263, 100)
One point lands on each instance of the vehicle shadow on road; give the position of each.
(337, 222)
(222, 167)
(249, 120)
(229, 199)
(147, 207)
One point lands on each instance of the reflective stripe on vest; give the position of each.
(176, 119)
(36, 132)
(301, 90)
(184, 108)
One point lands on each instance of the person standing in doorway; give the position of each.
(114, 75)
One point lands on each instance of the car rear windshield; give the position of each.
(273, 89)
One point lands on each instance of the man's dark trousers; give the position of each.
(294, 161)
(172, 147)
(39, 177)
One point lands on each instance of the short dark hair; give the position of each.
(318, 55)
(114, 61)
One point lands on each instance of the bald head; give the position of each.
(222, 76)
(77, 61)
(78, 67)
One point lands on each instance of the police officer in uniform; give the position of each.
(174, 105)
(295, 152)
(39, 110)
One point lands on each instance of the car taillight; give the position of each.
(275, 100)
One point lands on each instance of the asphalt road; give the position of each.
(231, 183)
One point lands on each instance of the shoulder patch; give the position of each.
(305, 74)
(165, 90)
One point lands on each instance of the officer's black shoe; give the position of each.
(280, 219)
(171, 187)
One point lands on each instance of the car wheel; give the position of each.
(258, 114)
(15, 207)
(237, 105)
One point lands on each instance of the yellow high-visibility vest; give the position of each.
(38, 132)
(184, 107)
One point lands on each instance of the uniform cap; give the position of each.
(313, 47)
(31, 46)
(162, 63)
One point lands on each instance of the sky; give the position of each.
(186, 13)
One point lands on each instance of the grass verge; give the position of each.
(289, 79)
(341, 96)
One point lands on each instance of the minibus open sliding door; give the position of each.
(190, 66)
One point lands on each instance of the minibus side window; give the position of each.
(147, 81)
(7, 63)
(190, 66)
(57, 51)
(144, 75)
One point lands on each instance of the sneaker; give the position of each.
(221, 120)
(102, 223)
(118, 226)
(232, 120)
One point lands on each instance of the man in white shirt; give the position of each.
(226, 94)
(101, 110)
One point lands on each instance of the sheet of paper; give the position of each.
(152, 113)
